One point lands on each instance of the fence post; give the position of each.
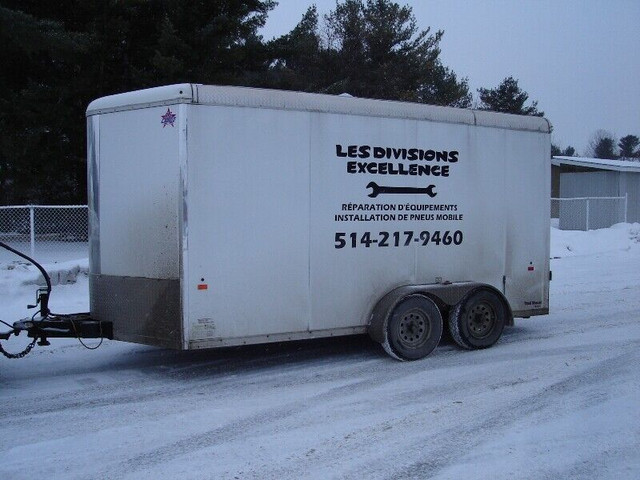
(32, 231)
(626, 205)
(587, 229)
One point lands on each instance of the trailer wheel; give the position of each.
(414, 328)
(478, 320)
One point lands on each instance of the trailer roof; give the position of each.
(313, 102)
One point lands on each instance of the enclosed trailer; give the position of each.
(224, 216)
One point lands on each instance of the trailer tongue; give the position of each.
(44, 324)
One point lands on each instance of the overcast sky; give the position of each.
(580, 59)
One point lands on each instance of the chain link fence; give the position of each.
(57, 233)
(46, 233)
(588, 213)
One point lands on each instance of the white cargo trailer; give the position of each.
(224, 216)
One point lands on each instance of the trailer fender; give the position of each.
(445, 295)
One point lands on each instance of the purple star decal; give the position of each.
(168, 118)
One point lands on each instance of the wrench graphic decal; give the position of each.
(380, 189)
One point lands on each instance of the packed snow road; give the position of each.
(557, 397)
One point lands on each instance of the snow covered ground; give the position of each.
(46, 251)
(557, 398)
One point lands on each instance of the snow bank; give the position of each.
(20, 272)
(619, 237)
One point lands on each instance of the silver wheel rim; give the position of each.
(481, 320)
(413, 328)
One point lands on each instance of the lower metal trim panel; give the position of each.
(142, 310)
(531, 313)
(280, 337)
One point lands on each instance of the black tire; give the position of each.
(414, 328)
(478, 320)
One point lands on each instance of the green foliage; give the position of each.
(368, 49)
(603, 145)
(507, 98)
(41, 155)
(558, 152)
(58, 56)
(605, 149)
(628, 146)
(63, 54)
(297, 58)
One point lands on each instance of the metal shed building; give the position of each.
(585, 178)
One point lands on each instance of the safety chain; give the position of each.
(24, 353)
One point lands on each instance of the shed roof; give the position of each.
(597, 163)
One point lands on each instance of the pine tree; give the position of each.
(371, 49)
(297, 57)
(628, 146)
(41, 152)
(602, 145)
(508, 97)
(605, 149)
(58, 56)
(556, 151)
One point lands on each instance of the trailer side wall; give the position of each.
(289, 243)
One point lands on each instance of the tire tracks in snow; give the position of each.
(369, 375)
(376, 446)
(449, 442)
